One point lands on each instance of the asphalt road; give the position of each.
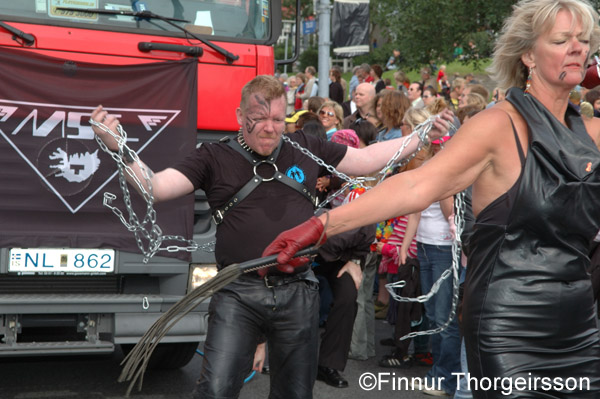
(87, 377)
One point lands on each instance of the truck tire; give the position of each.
(168, 356)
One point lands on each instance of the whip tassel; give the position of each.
(135, 363)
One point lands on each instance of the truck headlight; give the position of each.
(200, 273)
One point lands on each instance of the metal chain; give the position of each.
(147, 230)
(459, 221)
(421, 131)
(148, 234)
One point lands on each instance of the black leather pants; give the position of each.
(238, 315)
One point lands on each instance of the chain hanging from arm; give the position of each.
(148, 234)
(459, 221)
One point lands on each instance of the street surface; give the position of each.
(93, 377)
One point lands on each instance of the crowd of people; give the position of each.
(517, 154)
(414, 247)
(522, 155)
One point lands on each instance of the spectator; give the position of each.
(291, 94)
(291, 121)
(367, 70)
(393, 104)
(429, 96)
(402, 81)
(376, 74)
(314, 128)
(470, 78)
(394, 61)
(472, 99)
(301, 80)
(473, 88)
(311, 84)
(498, 94)
(443, 85)
(401, 253)
(457, 53)
(477, 88)
(342, 81)
(427, 79)
(314, 104)
(593, 97)
(307, 117)
(366, 132)
(415, 91)
(358, 76)
(458, 85)
(339, 267)
(336, 91)
(331, 116)
(365, 105)
(349, 107)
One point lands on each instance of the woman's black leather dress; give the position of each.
(528, 308)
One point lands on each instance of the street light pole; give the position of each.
(324, 44)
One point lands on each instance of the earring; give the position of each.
(528, 82)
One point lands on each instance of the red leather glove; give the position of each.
(592, 78)
(291, 241)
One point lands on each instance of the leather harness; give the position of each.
(257, 179)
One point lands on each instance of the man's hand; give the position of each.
(354, 271)
(110, 121)
(441, 124)
(259, 357)
(291, 241)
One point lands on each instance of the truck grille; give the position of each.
(10, 284)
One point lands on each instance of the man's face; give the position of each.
(262, 123)
(413, 92)
(364, 94)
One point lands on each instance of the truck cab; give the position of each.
(73, 276)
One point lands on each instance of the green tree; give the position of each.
(426, 30)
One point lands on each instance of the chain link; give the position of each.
(147, 232)
(421, 131)
(459, 221)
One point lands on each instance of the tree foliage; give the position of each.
(426, 30)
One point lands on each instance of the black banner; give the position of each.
(53, 175)
(350, 27)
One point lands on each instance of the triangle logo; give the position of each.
(58, 143)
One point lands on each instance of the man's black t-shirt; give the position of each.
(272, 207)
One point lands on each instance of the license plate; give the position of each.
(56, 260)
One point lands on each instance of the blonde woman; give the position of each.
(528, 310)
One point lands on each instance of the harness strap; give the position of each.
(255, 181)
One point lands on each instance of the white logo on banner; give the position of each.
(67, 156)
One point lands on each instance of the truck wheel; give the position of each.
(169, 355)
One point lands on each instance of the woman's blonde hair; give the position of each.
(529, 20)
(415, 116)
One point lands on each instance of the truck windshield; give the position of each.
(243, 20)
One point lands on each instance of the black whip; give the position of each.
(135, 363)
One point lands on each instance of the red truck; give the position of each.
(72, 277)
